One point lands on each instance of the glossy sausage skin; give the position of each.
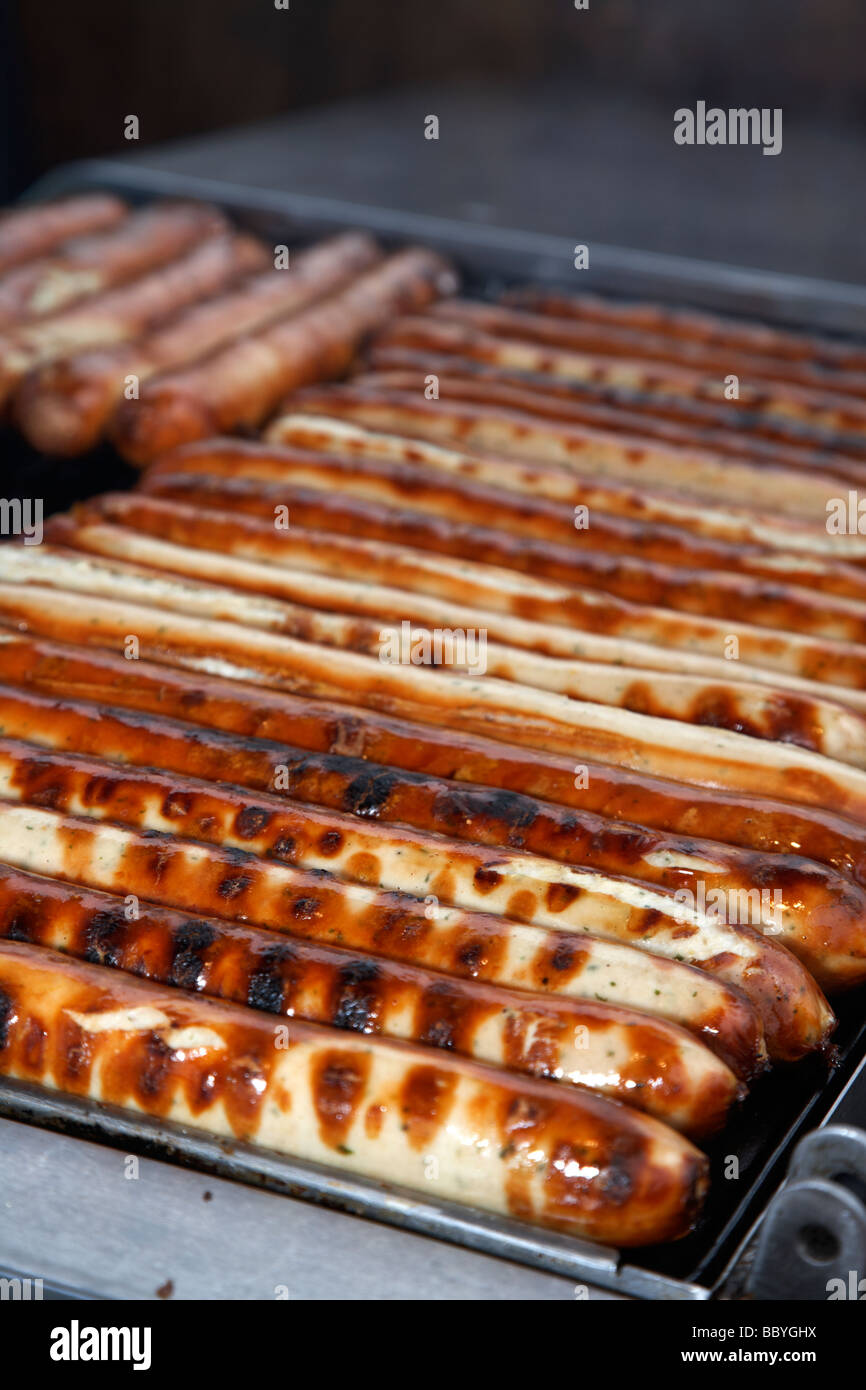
(690, 326)
(201, 878)
(618, 340)
(540, 893)
(817, 913)
(644, 1062)
(633, 520)
(119, 315)
(677, 419)
(91, 264)
(372, 765)
(777, 401)
(366, 1106)
(532, 718)
(65, 406)
(689, 424)
(242, 384)
(336, 613)
(540, 615)
(35, 228)
(638, 561)
(814, 658)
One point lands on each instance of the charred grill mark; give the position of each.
(177, 805)
(426, 1098)
(560, 896)
(486, 878)
(189, 942)
(233, 885)
(7, 1016)
(269, 981)
(339, 1079)
(252, 821)
(101, 938)
(357, 998)
(330, 842)
(305, 909)
(367, 794)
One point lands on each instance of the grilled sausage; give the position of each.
(757, 709)
(654, 1066)
(539, 612)
(35, 228)
(377, 1108)
(539, 892)
(823, 408)
(818, 912)
(677, 419)
(609, 456)
(735, 538)
(641, 561)
(64, 407)
(512, 955)
(460, 785)
(613, 339)
(823, 660)
(90, 264)
(243, 383)
(690, 326)
(531, 718)
(121, 314)
(213, 880)
(692, 424)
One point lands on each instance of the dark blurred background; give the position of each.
(551, 118)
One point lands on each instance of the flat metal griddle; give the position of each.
(782, 1106)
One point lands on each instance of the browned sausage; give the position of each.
(90, 264)
(824, 660)
(35, 228)
(378, 1108)
(242, 384)
(708, 425)
(120, 314)
(823, 408)
(352, 766)
(690, 425)
(618, 1052)
(64, 407)
(690, 326)
(613, 339)
(229, 882)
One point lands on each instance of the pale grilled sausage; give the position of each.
(471, 946)
(531, 718)
(654, 1066)
(328, 613)
(689, 325)
(734, 537)
(817, 911)
(710, 425)
(778, 401)
(378, 767)
(542, 616)
(536, 891)
(616, 339)
(376, 1108)
(689, 424)
(824, 660)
